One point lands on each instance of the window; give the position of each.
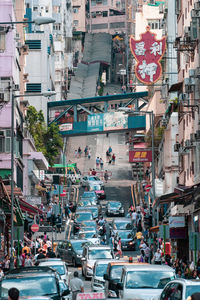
(56, 26)
(154, 24)
(56, 9)
(75, 10)
(105, 13)
(93, 3)
(35, 8)
(33, 88)
(75, 22)
(33, 44)
(47, 9)
(5, 140)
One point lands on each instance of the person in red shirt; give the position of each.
(94, 172)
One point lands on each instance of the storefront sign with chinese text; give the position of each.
(148, 51)
(66, 127)
(140, 156)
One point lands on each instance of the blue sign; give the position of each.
(95, 122)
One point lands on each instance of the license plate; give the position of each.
(115, 212)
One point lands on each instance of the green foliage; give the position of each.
(47, 139)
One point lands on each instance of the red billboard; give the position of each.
(140, 156)
(148, 51)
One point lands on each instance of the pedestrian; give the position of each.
(107, 155)
(59, 224)
(101, 163)
(89, 153)
(76, 285)
(28, 250)
(110, 150)
(113, 158)
(157, 259)
(86, 151)
(6, 264)
(79, 152)
(28, 261)
(94, 172)
(147, 253)
(49, 212)
(134, 217)
(112, 241)
(97, 162)
(13, 294)
(138, 237)
(75, 153)
(106, 176)
(50, 253)
(195, 296)
(1, 273)
(119, 248)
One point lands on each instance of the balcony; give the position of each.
(39, 160)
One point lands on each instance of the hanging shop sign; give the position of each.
(148, 52)
(175, 222)
(140, 156)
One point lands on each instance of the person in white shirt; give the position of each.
(157, 257)
(134, 217)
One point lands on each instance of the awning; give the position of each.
(176, 87)
(26, 207)
(154, 229)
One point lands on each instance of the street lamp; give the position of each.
(37, 21)
(45, 94)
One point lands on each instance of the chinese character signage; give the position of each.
(95, 122)
(148, 51)
(107, 121)
(140, 156)
(66, 127)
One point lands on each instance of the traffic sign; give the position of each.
(35, 227)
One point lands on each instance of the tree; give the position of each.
(47, 139)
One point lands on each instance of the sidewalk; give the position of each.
(121, 171)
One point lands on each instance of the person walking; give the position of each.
(86, 151)
(28, 262)
(119, 248)
(97, 162)
(13, 294)
(113, 159)
(157, 257)
(79, 152)
(89, 153)
(106, 176)
(101, 163)
(75, 153)
(94, 172)
(110, 150)
(76, 285)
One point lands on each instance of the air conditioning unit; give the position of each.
(192, 137)
(19, 44)
(176, 147)
(197, 6)
(192, 72)
(16, 87)
(164, 122)
(197, 135)
(188, 143)
(17, 36)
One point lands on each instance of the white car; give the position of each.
(144, 281)
(180, 289)
(59, 266)
(86, 181)
(98, 281)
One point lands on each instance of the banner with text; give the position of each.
(140, 156)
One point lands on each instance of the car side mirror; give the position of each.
(106, 277)
(120, 286)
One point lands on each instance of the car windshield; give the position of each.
(83, 216)
(87, 235)
(84, 203)
(191, 289)
(88, 195)
(89, 224)
(122, 225)
(114, 204)
(94, 178)
(31, 286)
(77, 245)
(59, 268)
(141, 279)
(124, 234)
(100, 254)
(116, 272)
(101, 269)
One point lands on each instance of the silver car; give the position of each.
(86, 181)
(180, 289)
(98, 281)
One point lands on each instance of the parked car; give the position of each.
(33, 281)
(144, 281)
(91, 253)
(180, 289)
(98, 281)
(127, 239)
(99, 190)
(71, 251)
(83, 215)
(86, 181)
(114, 208)
(59, 266)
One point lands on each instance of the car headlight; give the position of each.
(79, 255)
(122, 209)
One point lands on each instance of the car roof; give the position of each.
(124, 230)
(87, 192)
(102, 261)
(187, 281)
(98, 247)
(83, 211)
(126, 262)
(76, 240)
(139, 266)
(122, 220)
(30, 271)
(51, 263)
(113, 201)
